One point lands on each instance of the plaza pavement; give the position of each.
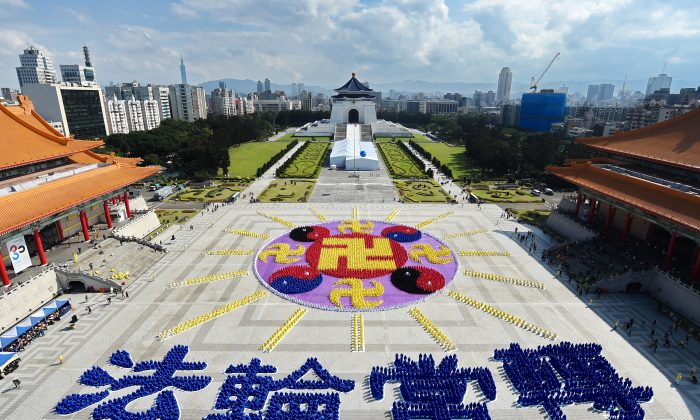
(133, 324)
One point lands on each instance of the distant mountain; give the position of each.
(440, 88)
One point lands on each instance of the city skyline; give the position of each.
(442, 40)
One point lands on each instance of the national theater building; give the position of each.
(52, 187)
(645, 184)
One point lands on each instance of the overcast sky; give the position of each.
(322, 41)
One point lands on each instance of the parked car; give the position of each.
(548, 191)
(536, 193)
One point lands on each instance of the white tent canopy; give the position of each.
(353, 154)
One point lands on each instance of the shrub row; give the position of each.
(267, 165)
(435, 161)
(390, 167)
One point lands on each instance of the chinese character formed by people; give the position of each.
(243, 394)
(430, 392)
(161, 378)
(563, 374)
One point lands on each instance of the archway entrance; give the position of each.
(353, 116)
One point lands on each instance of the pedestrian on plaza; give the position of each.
(109, 301)
(693, 371)
(89, 310)
(617, 324)
(679, 378)
(86, 298)
(60, 359)
(667, 342)
(631, 322)
(16, 383)
(127, 294)
(682, 343)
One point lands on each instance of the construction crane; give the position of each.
(534, 83)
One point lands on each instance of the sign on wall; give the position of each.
(19, 254)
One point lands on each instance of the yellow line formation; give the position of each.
(518, 322)
(278, 335)
(207, 279)
(477, 253)
(432, 329)
(432, 220)
(355, 213)
(278, 219)
(318, 214)
(211, 315)
(393, 214)
(227, 252)
(358, 332)
(463, 234)
(247, 233)
(505, 279)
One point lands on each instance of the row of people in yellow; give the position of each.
(247, 233)
(463, 234)
(478, 253)
(393, 214)
(318, 214)
(358, 332)
(227, 252)
(213, 314)
(510, 318)
(207, 279)
(432, 329)
(505, 279)
(278, 335)
(278, 219)
(432, 220)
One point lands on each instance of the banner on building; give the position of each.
(19, 254)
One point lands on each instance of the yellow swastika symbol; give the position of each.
(357, 293)
(282, 252)
(431, 254)
(355, 226)
(358, 255)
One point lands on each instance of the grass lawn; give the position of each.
(453, 157)
(389, 139)
(400, 164)
(179, 216)
(248, 157)
(308, 163)
(419, 138)
(219, 193)
(287, 191)
(521, 195)
(289, 137)
(533, 217)
(421, 192)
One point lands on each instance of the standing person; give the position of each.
(60, 359)
(679, 378)
(127, 294)
(86, 298)
(109, 301)
(89, 310)
(617, 324)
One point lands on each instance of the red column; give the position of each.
(626, 229)
(669, 251)
(126, 205)
(608, 219)
(695, 274)
(591, 210)
(578, 205)
(120, 198)
(107, 216)
(3, 274)
(39, 247)
(113, 200)
(59, 230)
(650, 231)
(84, 223)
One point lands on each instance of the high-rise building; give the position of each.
(223, 102)
(510, 114)
(134, 114)
(116, 111)
(9, 94)
(538, 111)
(183, 72)
(181, 102)
(662, 81)
(35, 67)
(267, 85)
(151, 114)
(199, 102)
(505, 79)
(161, 94)
(605, 91)
(260, 87)
(77, 73)
(592, 95)
(79, 108)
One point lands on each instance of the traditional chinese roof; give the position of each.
(354, 89)
(666, 203)
(22, 208)
(26, 138)
(673, 142)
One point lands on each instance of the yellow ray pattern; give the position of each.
(247, 233)
(432, 329)
(505, 279)
(278, 219)
(432, 220)
(228, 252)
(355, 213)
(463, 234)
(207, 279)
(278, 335)
(393, 214)
(518, 322)
(358, 332)
(478, 253)
(211, 315)
(318, 214)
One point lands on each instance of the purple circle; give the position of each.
(283, 256)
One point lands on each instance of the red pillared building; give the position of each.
(647, 185)
(52, 186)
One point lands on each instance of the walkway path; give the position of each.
(453, 189)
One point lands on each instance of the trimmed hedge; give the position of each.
(435, 161)
(267, 165)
